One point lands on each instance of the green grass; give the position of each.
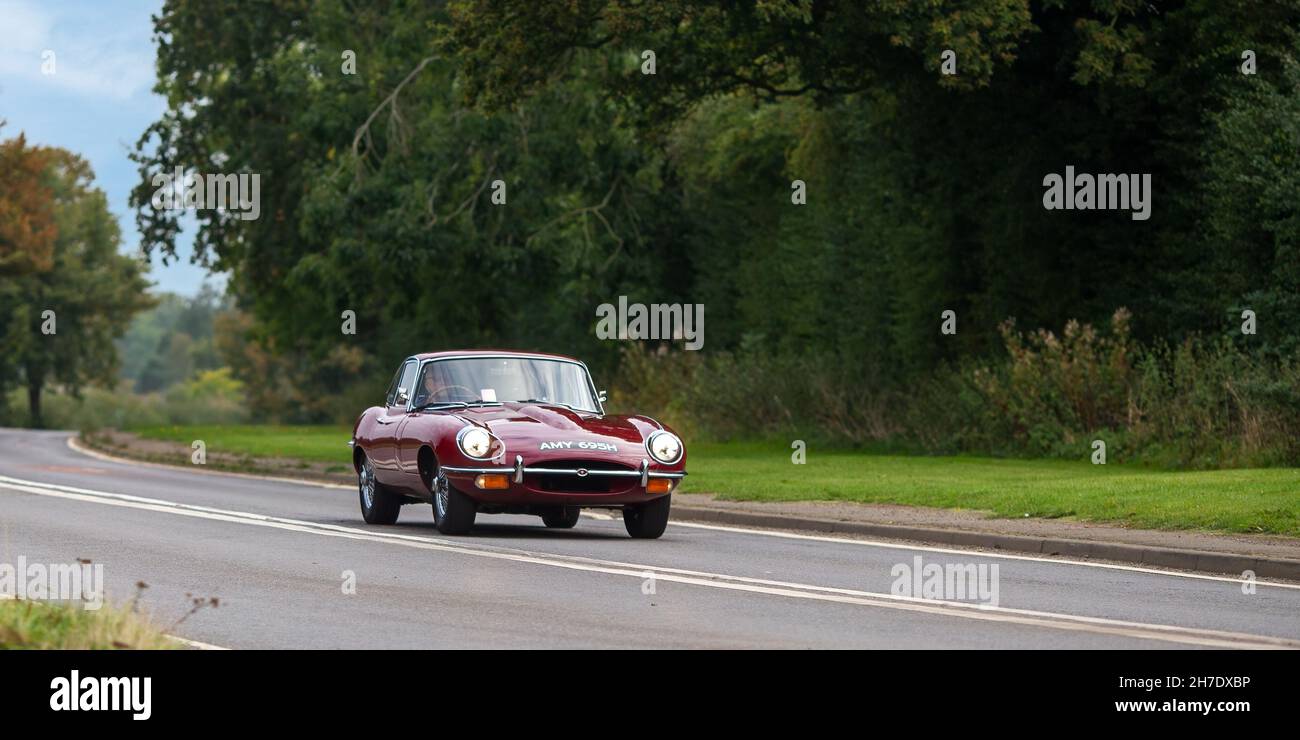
(27, 625)
(1265, 500)
(1247, 500)
(309, 443)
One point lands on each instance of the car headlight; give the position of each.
(475, 443)
(664, 447)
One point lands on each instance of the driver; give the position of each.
(435, 387)
(429, 385)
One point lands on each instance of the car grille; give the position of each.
(569, 483)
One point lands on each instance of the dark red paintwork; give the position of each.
(392, 438)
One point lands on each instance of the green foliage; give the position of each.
(99, 408)
(1199, 404)
(1253, 175)
(38, 625)
(171, 342)
(924, 195)
(91, 290)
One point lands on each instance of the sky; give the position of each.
(97, 102)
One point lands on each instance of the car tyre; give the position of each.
(378, 504)
(649, 520)
(453, 511)
(562, 517)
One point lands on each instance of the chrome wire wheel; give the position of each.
(441, 494)
(367, 478)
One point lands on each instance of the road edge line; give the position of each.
(1200, 561)
(1165, 557)
(76, 444)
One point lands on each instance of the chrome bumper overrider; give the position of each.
(519, 471)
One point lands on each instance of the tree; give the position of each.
(27, 228)
(925, 189)
(64, 319)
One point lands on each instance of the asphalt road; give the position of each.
(277, 554)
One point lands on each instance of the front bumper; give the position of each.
(524, 479)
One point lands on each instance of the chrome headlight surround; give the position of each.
(472, 440)
(674, 446)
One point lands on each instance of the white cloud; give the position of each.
(95, 53)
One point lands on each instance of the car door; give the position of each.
(384, 448)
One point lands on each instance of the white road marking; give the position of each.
(1096, 625)
(983, 553)
(196, 645)
(78, 447)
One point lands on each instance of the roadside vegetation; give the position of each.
(1200, 404)
(1258, 501)
(447, 190)
(311, 443)
(28, 625)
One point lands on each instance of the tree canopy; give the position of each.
(63, 319)
(924, 188)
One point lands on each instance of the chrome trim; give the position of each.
(465, 430)
(392, 401)
(519, 468)
(645, 472)
(591, 384)
(642, 473)
(681, 447)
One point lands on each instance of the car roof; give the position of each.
(488, 353)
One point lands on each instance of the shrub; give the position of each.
(1199, 404)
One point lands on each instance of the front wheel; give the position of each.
(649, 520)
(378, 504)
(453, 511)
(562, 517)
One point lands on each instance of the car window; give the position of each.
(505, 379)
(407, 381)
(392, 387)
(403, 380)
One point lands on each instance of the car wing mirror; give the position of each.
(401, 398)
(602, 395)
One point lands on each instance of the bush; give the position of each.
(1199, 404)
(208, 399)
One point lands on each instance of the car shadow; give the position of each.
(501, 530)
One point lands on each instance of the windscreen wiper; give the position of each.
(574, 409)
(454, 404)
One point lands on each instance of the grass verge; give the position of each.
(29, 625)
(1251, 500)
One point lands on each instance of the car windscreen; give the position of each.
(507, 380)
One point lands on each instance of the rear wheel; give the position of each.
(453, 511)
(649, 520)
(562, 517)
(378, 504)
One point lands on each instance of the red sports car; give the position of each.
(510, 433)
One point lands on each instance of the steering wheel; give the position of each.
(446, 388)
